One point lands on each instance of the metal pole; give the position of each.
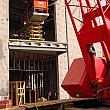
(67, 38)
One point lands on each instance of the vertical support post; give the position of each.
(16, 85)
(30, 95)
(24, 92)
(20, 93)
(11, 84)
(28, 59)
(14, 60)
(19, 60)
(24, 62)
(34, 60)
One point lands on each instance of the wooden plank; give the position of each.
(36, 95)
(16, 85)
(11, 91)
(19, 91)
(54, 102)
(24, 92)
(51, 103)
(30, 95)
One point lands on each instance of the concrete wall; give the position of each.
(70, 38)
(4, 52)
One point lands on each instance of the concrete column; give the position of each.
(61, 37)
(4, 51)
(73, 47)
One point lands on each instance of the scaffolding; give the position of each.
(38, 71)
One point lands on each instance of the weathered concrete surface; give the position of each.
(4, 52)
(73, 46)
(61, 37)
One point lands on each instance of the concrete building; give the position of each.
(41, 63)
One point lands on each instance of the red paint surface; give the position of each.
(89, 77)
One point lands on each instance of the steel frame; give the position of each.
(39, 70)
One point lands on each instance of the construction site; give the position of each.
(54, 54)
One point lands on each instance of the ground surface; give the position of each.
(99, 108)
(71, 104)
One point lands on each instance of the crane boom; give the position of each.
(90, 76)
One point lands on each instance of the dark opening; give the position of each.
(32, 75)
(16, 10)
(38, 71)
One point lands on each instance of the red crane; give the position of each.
(89, 77)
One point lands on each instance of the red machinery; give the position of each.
(36, 11)
(89, 77)
(41, 6)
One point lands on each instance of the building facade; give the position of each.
(64, 36)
